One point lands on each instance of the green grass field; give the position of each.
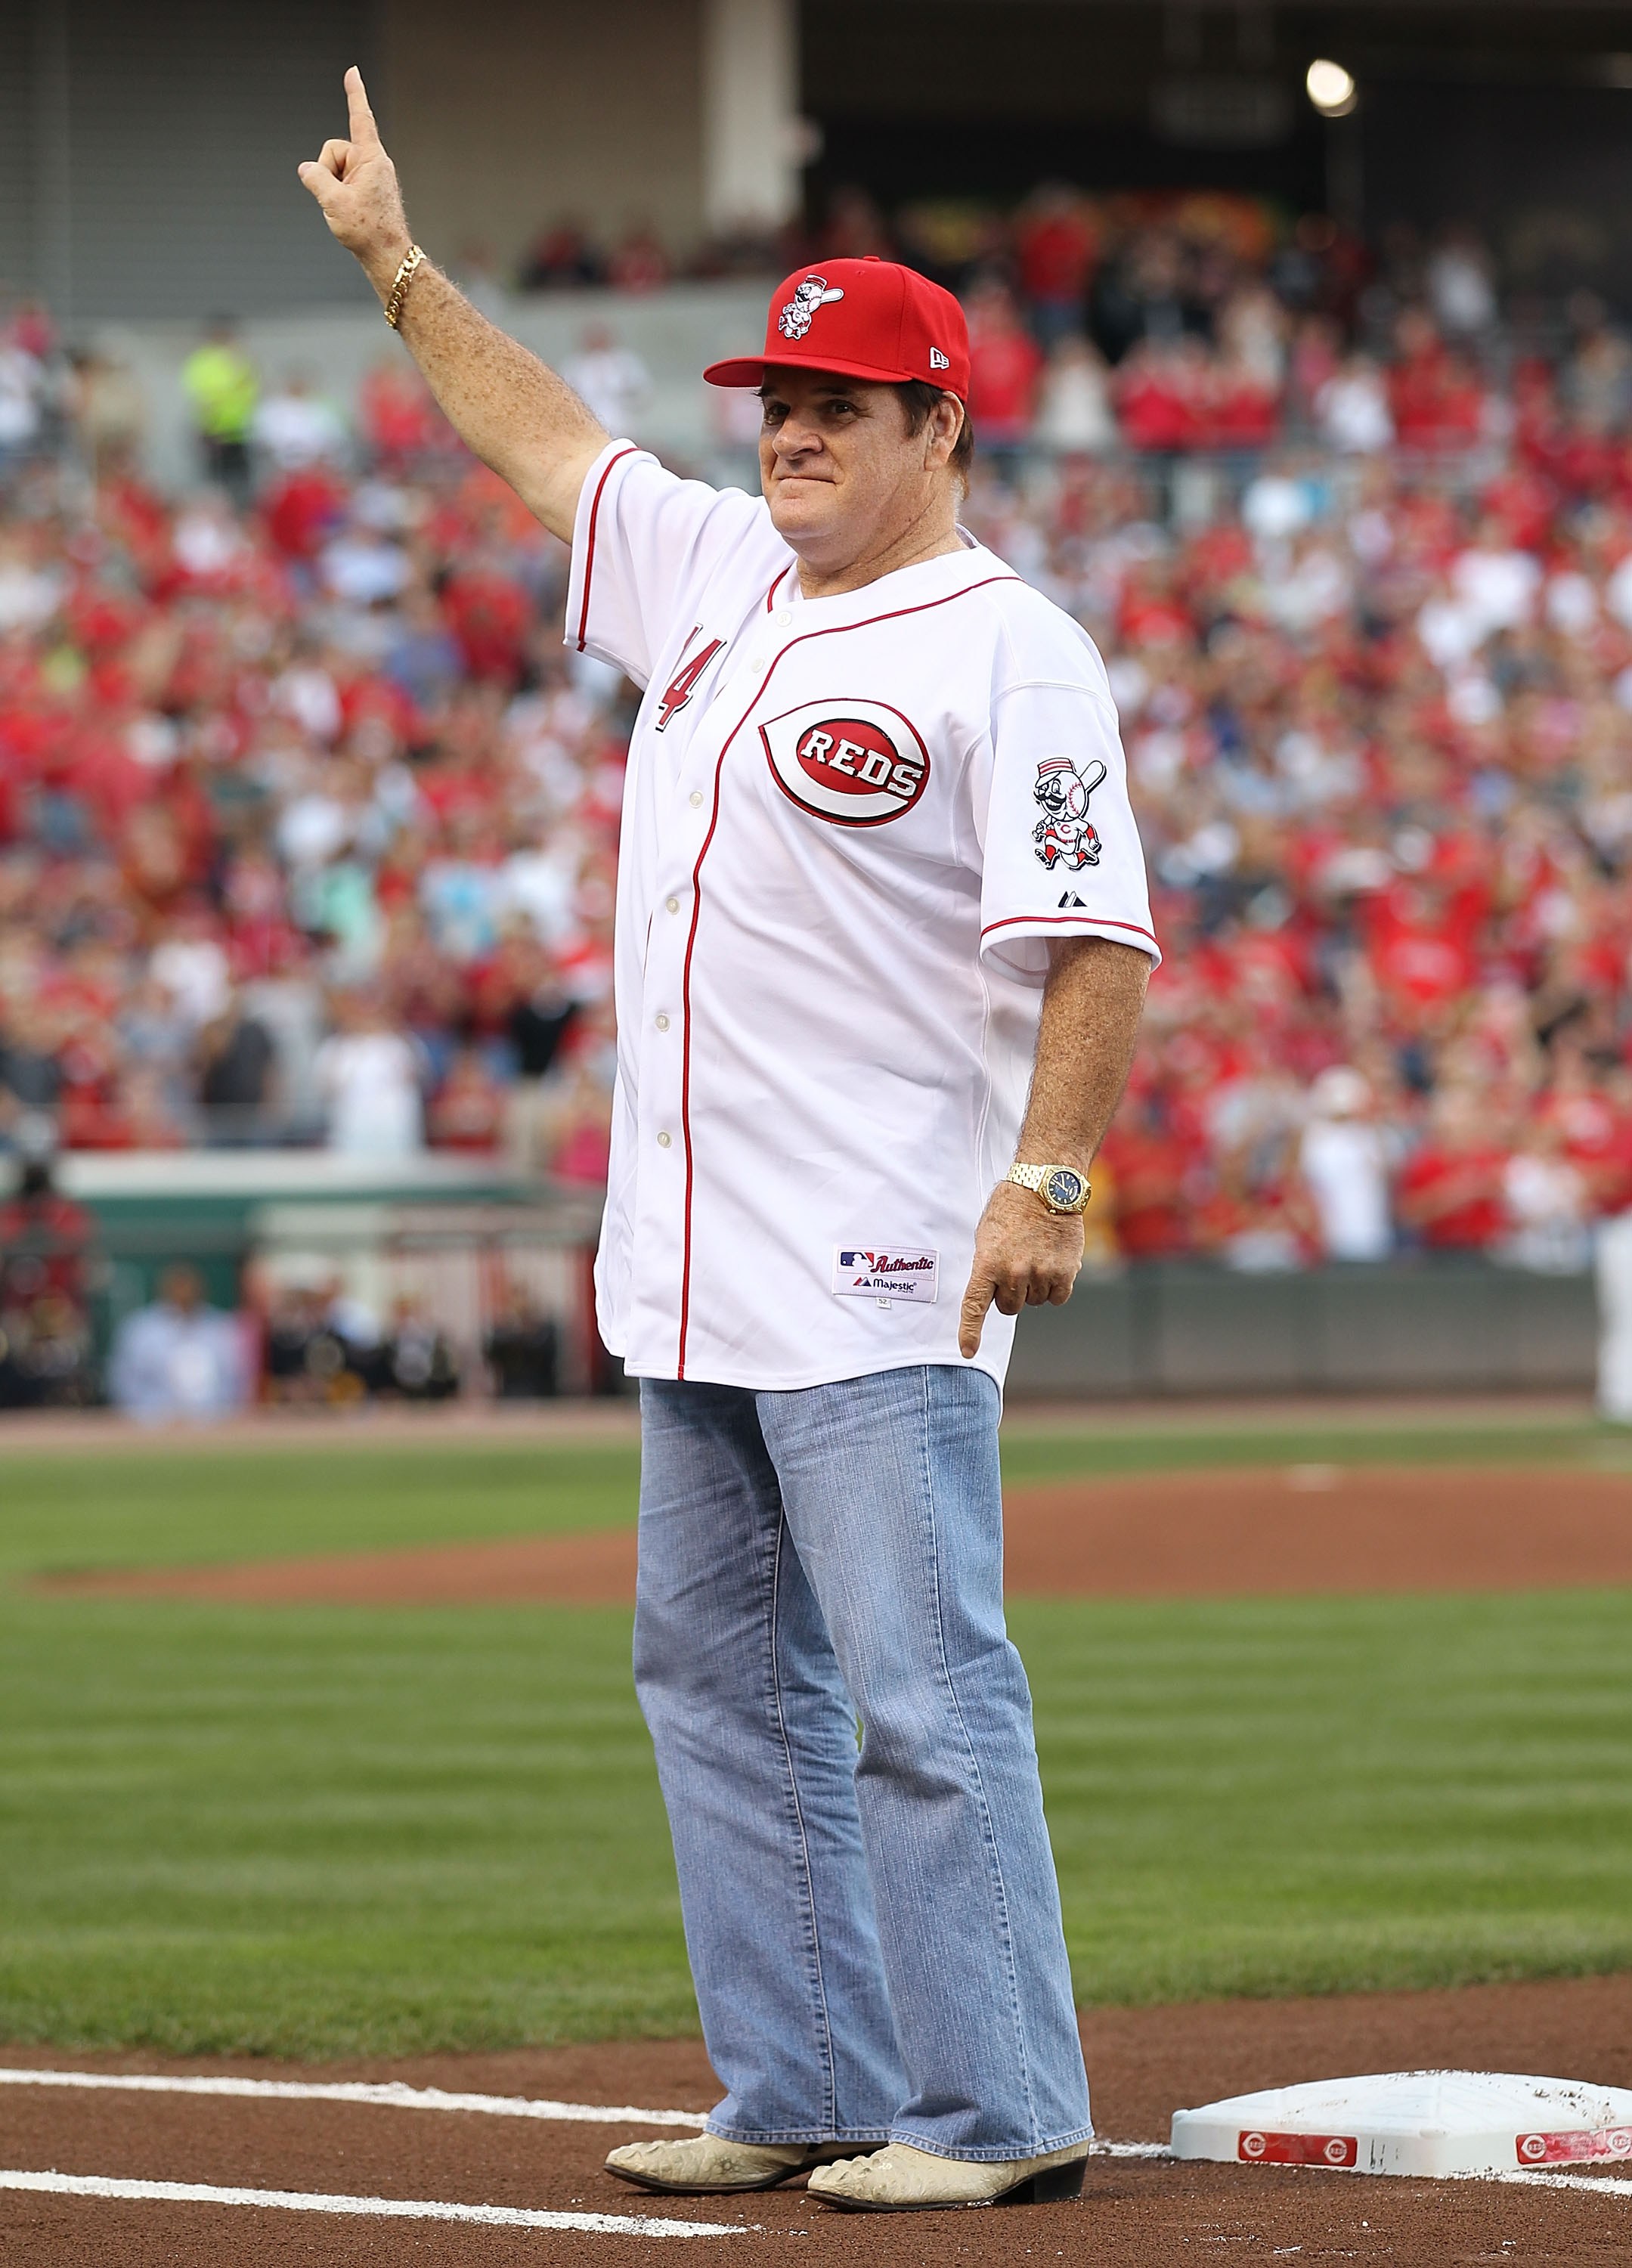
(326, 1831)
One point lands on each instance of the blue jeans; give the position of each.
(872, 1914)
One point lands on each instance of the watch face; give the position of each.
(1063, 1188)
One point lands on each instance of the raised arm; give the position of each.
(1024, 1254)
(502, 401)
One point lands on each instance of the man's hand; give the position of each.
(356, 184)
(1024, 1256)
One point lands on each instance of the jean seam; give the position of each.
(825, 2024)
(988, 1831)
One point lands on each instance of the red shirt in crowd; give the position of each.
(1004, 364)
(1452, 1195)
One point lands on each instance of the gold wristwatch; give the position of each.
(1062, 1187)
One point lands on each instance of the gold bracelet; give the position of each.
(399, 289)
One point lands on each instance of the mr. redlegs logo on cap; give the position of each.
(860, 319)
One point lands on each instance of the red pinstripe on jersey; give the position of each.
(895, 614)
(589, 540)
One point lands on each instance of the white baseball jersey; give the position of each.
(850, 826)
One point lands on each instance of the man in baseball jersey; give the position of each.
(882, 941)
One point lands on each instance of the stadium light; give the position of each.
(1331, 88)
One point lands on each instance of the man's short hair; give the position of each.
(918, 398)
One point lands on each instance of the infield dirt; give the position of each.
(1145, 2063)
(1248, 1532)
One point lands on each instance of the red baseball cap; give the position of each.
(860, 319)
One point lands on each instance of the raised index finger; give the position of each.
(363, 126)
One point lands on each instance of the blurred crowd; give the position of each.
(1161, 320)
(307, 829)
(308, 821)
(1378, 722)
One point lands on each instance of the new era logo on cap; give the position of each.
(860, 319)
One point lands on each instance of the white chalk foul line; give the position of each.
(487, 2216)
(391, 2095)
(1530, 2177)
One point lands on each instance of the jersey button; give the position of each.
(663, 1023)
(663, 1141)
(696, 799)
(782, 619)
(673, 905)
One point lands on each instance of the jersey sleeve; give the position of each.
(643, 545)
(1061, 850)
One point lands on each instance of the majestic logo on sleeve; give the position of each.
(858, 763)
(1063, 835)
(795, 318)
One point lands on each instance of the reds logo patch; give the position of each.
(795, 318)
(1064, 835)
(858, 763)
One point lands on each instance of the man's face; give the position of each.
(841, 475)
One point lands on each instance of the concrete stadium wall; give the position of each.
(1429, 1327)
(1436, 1328)
(505, 115)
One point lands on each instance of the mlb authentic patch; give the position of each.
(885, 1272)
(855, 763)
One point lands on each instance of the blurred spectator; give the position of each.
(1598, 379)
(1004, 367)
(1451, 1192)
(321, 1346)
(467, 1110)
(22, 398)
(639, 262)
(44, 1332)
(1434, 397)
(1461, 284)
(31, 1076)
(522, 1349)
(109, 412)
(296, 427)
(1344, 1157)
(224, 388)
(417, 1357)
(1144, 295)
(561, 257)
(1074, 401)
(1545, 1197)
(178, 1358)
(237, 1058)
(371, 1077)
(1352, 410)
(399, 422)
(1055, 242)
(540, 1015)
(612, 380)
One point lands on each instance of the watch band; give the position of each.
(1062, 1187)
